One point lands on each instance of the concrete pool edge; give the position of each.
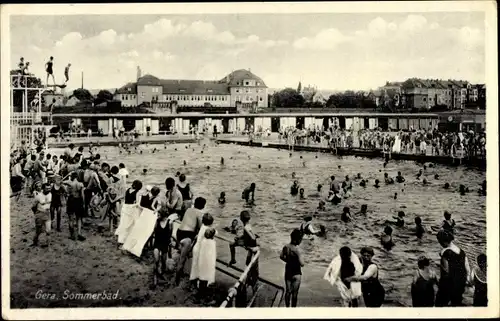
(443, 160)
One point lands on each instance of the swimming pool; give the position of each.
(276, 212)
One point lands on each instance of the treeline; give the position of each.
(290, 97)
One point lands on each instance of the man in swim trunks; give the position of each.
(75, 207)
(186, 233)
(246, 193)
(41, 209)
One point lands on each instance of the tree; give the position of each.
(103, 96)
(288, 97)
(83, 94)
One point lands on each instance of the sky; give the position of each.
(333, 51)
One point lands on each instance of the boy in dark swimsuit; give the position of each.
(66, 73)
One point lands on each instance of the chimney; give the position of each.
(139, 73)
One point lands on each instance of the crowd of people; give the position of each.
(143, 218)
(427, 142)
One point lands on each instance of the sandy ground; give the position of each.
(95, 265)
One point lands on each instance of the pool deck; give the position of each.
(314, 291)
(444, 160)
(110, 141)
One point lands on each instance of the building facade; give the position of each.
(428, 93)
(240, 87)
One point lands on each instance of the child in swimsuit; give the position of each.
(448, 223)
(419, 228)
(346, 215)
(222, 198)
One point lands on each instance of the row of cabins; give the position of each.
(230, 123)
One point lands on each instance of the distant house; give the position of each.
(72, 101)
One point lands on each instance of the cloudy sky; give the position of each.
(332, 50)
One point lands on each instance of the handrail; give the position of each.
(234, 289)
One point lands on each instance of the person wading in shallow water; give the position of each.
(373, 291)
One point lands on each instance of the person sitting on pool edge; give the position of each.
(294, 190)
(306, 227)
(386, 238)
(244, 237)
(246, 194)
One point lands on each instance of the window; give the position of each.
(260, 98)
(247, 83)
(237, 90)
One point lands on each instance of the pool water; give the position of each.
(276, 212)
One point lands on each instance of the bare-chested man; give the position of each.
(41, 209)
(92, 187)
(75, 207)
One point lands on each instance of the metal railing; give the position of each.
(242, 278)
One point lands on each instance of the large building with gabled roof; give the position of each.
(240, 87)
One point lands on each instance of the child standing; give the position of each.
(206, 259)
(58, 201)
(422, 287)
(162, 235)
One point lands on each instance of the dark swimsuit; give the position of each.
(373, 291)
(147, 202)
(185, 192)
(452, 284)
(292, 266)
(162, 237)
(480, 292)
(130, 197)
(49, 68)
(422, 292)
(56, 197)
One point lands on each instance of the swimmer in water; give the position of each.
(363, 210)
(386, 238)
(346, 215)
(202, 152)
(290, 155)
(362, 183)
(339, 167)
(294, 190)
(448, 223)
(358, 176)
(446, 185)
(463, 190)
(222, 160)
(420, 173)
(424, 182)
(482, 191)
(293, 174)
(177, 174)
(222, 198)
(400, 222)
(318, 191)
(144, 171)
(306, 227)
(377, 182)
(385, 164)
(300, 156)
(321, 206)
(388, 180)
(247, 192)
(185, 163)
(436, 176)
(301, 193)
(419, 228)
(260, 166)
(396, 196)
(208, 167)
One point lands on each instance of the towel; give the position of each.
(332, 275)
(141, 231)
(128, 216)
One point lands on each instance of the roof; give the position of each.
(148, 80)
(201, 87)
(241, 74)
(129, 88)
